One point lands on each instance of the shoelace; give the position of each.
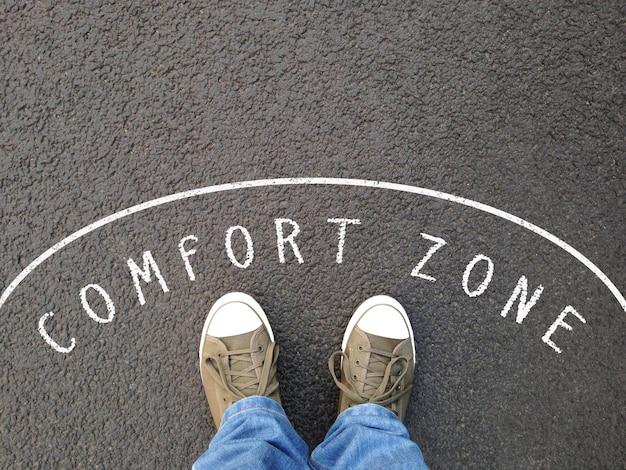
(380, 387)
(264, 385)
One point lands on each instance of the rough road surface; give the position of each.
(519, 106)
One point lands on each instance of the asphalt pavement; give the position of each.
(467, 159)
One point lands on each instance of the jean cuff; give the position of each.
(369, 409)
(252, 403)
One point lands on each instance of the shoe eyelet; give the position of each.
(358, 363)
(360, 348)
(354, 377)
(260, 348)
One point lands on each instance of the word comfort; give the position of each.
(287, 231)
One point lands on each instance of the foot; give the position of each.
(377, 357)
(238, 354)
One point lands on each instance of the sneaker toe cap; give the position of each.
(233, 318)
(385, 321)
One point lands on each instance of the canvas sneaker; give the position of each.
(238, 354)
(377, 357)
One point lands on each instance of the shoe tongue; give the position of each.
(380, 342)
(389, 345)
(239, 342)
(242, 342)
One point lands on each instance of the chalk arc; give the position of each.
(303, 182)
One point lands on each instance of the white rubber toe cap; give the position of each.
(381, 315)
(385, 321)
(232, 319)
(233, 314)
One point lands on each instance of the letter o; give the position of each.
(229, 247)
(107, 300)
(468, 270)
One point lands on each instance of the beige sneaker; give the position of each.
(238, 354)
(377, 357)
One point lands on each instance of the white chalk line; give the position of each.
(312, 181)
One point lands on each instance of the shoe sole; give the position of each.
(367, 305)
(226, 299)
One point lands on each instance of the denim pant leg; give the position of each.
(367, 436)
(255, 434)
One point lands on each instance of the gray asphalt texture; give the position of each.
(518, 105)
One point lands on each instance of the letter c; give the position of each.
(50, 341)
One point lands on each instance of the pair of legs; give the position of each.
(238, 357)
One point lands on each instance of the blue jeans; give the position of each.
(256, 433)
